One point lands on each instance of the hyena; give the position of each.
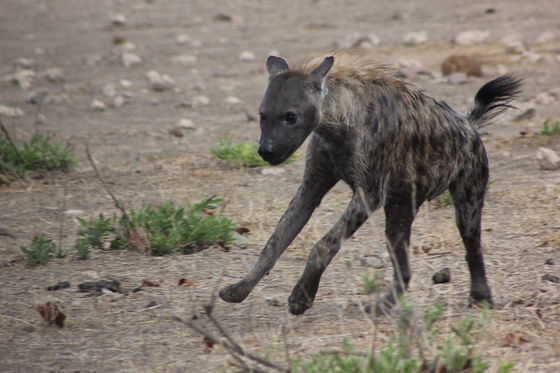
(394, 145)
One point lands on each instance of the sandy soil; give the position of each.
(143, 163)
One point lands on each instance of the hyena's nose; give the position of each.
(266, 151)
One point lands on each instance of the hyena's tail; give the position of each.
(492, 99)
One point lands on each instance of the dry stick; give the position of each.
(115, 200)
(231, 347)
(61, 226)
(16, 150)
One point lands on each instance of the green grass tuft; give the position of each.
(41, 153)
(40, 251)
(159, 230)
(242, 154)
(550, 129)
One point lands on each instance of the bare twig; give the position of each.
(8, 137)
(235, 348)
(105, 186)
(62, 212)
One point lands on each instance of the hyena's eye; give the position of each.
(291, 118)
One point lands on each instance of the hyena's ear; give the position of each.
(319, 74)
(276, 65)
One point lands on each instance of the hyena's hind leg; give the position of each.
(400, 208)
(468, 193)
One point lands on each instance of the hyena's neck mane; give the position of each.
(352, 84)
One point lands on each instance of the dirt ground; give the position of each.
(199, 45)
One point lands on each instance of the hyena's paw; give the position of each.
(299, 301)
(235, 293)
(481, 294)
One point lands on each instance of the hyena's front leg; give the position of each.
(325, 249)
(308, 197)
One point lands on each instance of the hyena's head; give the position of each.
(291, 108)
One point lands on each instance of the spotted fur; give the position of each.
(394, 145)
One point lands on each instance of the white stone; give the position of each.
(10, 111)
(247, 56)
(546, 37)
(23, 62)
(457, 78)
(515, 47)
(232, 100)
(159, 82)
(548, 159)
(185, 59)
(118, 19)
(415, 38)
(118, 102)
(23, 78)
(97, 105)
(241, 241)
(186, 124)
(373, 261)
(129, 59)
(182, 39)
(200, 101)
(109, 90)
(471, 37)
(75, 212)
(125, 83)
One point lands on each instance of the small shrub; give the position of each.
(241, 154)
(550, 129)
(371, 284)
(40, 153)
(159, 230)
(40, 251)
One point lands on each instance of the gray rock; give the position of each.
(372, 261)
(457, 78)
(186, 124)
(415, 38)
(241, 241)
(53, 75)
(159, 82)
(232, 100)
(247, 56)
(184, 59)
(548, 159)
(200, 101)
(9, 111)
(24, 63)
(97, 105)
(118, 102)
(118, 19)
(471, 37)
(128, 59)
(547, 37)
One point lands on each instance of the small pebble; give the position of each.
(549, 262)
(59, 285)
(550, 278)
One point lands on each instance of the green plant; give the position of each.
(40, 153)
(160, 230)
(241, 154)
(371, 284)
(550, 129)
(40, 251)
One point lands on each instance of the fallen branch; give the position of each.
(105, 186)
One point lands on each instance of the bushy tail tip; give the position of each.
(493, 98)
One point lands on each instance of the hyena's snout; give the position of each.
(269, 153)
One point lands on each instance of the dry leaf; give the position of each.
(186, 281)
(515, 340)
(51, 314)
(148, 282)
(242, 230)
(209, 344)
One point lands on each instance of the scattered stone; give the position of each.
(74, 212)
(23, 78)
(272, 171)
(461, 63)
(97, 105)
(129, 59)
(58, 286)
(4, 232)
(442, 276)
(125, 83)
(177, 132)
(53, 75)
(109, 90)
(9, 111)
(546, 37)
(185, 59)
(532, 57)
(37, 97)
(544, 98)
(548, 159)
(275, 302)
(516, 47)
(525, 115)
(118, 102)
(200, 101)
(550, 278)
(409, 63)
(360, 40)
(182, 39)
(232, 100)
(91, 59)
(240, 241)
(372, 261)
(247, 56)
(97, 287)
(457, 78)
(549, 262)
(186, 124)
(415, 38)
(118, 19)
(224, 17)
(159, 82)
(24, 63)
(471, 37)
